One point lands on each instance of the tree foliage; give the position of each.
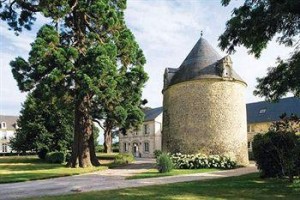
(277, 151)
(87, 53)
(253, 25)
(43, 125)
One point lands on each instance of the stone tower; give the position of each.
(204, 106)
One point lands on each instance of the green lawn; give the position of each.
(24, 168)
(243, 187)
(153, 173)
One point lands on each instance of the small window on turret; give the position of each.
(227, 71)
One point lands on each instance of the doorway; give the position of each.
(136, 152)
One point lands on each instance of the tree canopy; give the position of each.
(85, 53)
(256, 23)
(43, 125)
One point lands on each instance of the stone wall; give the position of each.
(255, 128)
(208, 116)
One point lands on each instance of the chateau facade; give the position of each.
(145, 140)
(8, 126)
(260, 115)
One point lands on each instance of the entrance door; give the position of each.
(135, 150)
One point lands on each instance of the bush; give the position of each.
(276, 154)
(56, 157)
(124, 158)
(277, 151)
(197, 161)
(99, 148)
(164, 163)
(42, 153)
(68, 156)
(115, 149)
(157, 153)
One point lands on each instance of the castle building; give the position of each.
(8, 126)
(261, 115)
(204, 107)
(142, 142)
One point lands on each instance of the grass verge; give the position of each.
(153, 173)
(243, 187)
(25, 168)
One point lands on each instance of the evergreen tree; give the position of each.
(253, 25)
(82, 53)
(43, 125)
(124, 110)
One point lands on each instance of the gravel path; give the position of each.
(105, 180)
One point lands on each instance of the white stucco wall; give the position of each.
(9, 134)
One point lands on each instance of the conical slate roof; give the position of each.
(201, 62)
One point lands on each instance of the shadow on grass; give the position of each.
(29, 167)
(12, 178)
(243, 187)
(20, 159)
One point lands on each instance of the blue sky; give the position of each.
(166, 31)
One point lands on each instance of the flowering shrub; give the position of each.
(197, 161)
(164, 163)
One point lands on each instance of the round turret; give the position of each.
(204, 106)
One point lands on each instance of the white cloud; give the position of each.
(166, 31)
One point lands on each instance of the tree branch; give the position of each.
(99, 123)
(28, 6)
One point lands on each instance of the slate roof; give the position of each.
(9, 120)
(200, 63)
(290, 105)
(152, 113)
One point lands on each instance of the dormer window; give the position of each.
(227, 71)
(262, 111)
(224, 67)
(3, 125)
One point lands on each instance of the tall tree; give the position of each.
(253, 25)
(123, 109)
(80, 53)
(43, 125)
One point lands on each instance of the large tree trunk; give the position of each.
(107, 141)
(82, 150)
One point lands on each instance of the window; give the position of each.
(262, 111)
(249, 145)
(146, 147)
(226, 72)
(3, 125)
(4, 148)
(125, 146)
(249, 128)
(146, 129)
